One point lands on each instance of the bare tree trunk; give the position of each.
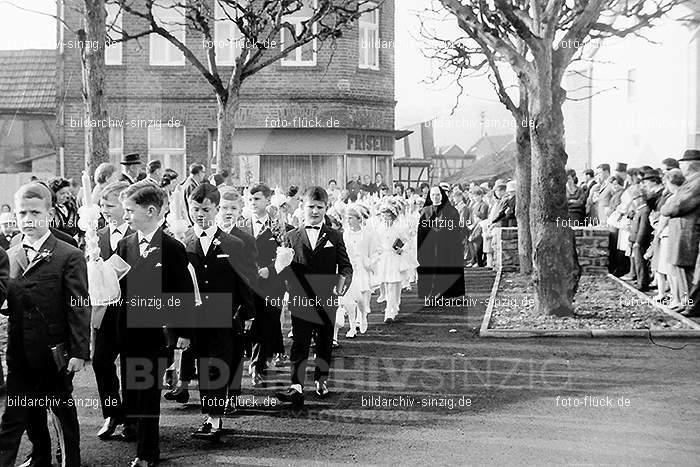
(225, 124)
(93, 67)
(556, 269)
(522, 196)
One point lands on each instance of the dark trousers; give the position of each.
(214, 378)
(234, 389)
(302, 330)
(106, 350)
(38, 385)
(641, 267)
(267, 334)
(143, 376)
(187, 370)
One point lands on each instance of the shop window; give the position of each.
(162, 51)
(369, 38)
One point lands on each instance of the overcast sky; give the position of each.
(417, 100)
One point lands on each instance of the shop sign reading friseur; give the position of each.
(370, 143)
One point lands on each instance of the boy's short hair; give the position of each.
(231, 194)
(144, 194)
(316, 193)
(35, 190)
(113, 189)
(264, 189)
(206, 191)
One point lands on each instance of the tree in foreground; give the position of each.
(539, 39)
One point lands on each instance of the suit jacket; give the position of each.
(249, 261)
(62, 236)
(685, 206)
(314, 272)
(643, 233)
(267, 244)
(47, 304)
(224, 291)
(149, 290)
(5, 242)
(103, 241)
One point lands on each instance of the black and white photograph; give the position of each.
(349, 232)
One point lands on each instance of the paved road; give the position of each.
(461, 400)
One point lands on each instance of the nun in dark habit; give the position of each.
(440, 250)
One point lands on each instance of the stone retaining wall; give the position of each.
(591, 245)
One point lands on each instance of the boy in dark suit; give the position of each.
(226, 304)
(157, 291)
(106, 347)
(48, 334)
(268, 286)
(319, 273)
(228, 219)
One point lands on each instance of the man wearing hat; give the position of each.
(131, 165)
(652, 189)
(685, 205)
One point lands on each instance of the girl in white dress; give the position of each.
(361, 249)
(408, 225)
(392, 243)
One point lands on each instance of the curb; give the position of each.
(484, 331)
(489, 309)
(664, 308)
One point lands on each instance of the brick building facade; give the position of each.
(339, 88)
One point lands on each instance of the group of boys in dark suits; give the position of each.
(234, 272)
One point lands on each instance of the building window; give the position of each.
(116, 145)
(369, 38)
(113, 53)
(227, 38)
(632, 84)
(167, 144)
(306, 54)
(162, 51)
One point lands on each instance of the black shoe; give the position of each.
(207, 432)
(128, 432)
(178, 395)
(142, 463)
(291, 395)
(690, 314)
(108, 428)
(322, 389)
